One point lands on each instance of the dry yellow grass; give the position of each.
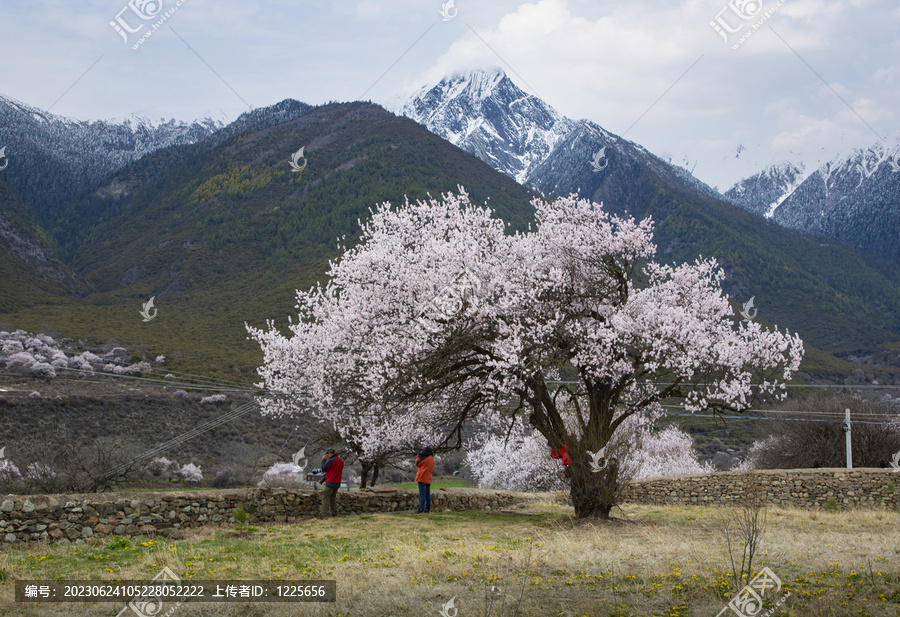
(649, 561)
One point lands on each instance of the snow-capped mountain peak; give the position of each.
(516, 133)
(486, 114)
(852, 198)
(762, 193)
(81, 152)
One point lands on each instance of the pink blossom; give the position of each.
(438, 317)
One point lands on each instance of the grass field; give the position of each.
(666, 561)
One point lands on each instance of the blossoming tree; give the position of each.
(521, 460)
(438, 307)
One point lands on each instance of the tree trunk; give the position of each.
(374, 474)
(366, 466)
(593, 493)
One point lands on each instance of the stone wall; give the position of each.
(798, 488)
(74, 518)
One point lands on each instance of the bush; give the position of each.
(282, 475)
(20, 361)
(214, 399)
(161, 467)
(42, 370)
(224, 478)
(819, 440)
(191, 473)
(9, 472)
(118, 542)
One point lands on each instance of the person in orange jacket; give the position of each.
(425, 464)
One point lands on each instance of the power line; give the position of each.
(699, 415)
(754, 385)
(196, 431)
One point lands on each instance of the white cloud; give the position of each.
(601, 59)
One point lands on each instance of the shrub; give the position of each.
(40, 473)
(21, 361)
(224, 478)
(214, 399)
(282, 475)
(118, 542)
(11, 347)
(91, 358)
(161, 467)
(812, 444)
(191, 473)
(9, 472)
(43, 370)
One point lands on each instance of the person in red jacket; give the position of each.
(425, 464)
(333, 467)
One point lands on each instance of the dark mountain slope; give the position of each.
(224, 235)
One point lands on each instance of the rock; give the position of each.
(27, 506)
(8, 505)
(171, 533)
(87, 532)
(10, 537)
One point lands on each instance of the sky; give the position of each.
(814, 78)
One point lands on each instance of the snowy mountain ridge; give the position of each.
(763, 192)
(479, 110)
(853, 198)
(483, 112)
(51, 158)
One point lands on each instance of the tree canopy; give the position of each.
(438, 315)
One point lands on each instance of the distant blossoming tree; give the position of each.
(9, 472)
(521, 461)
(191, 473)
(438, 306)
(282, 475)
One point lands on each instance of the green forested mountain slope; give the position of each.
(222, 232)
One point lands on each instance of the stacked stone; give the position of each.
(797, 488)
(60, 518)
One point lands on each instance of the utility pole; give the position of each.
(847, 433)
